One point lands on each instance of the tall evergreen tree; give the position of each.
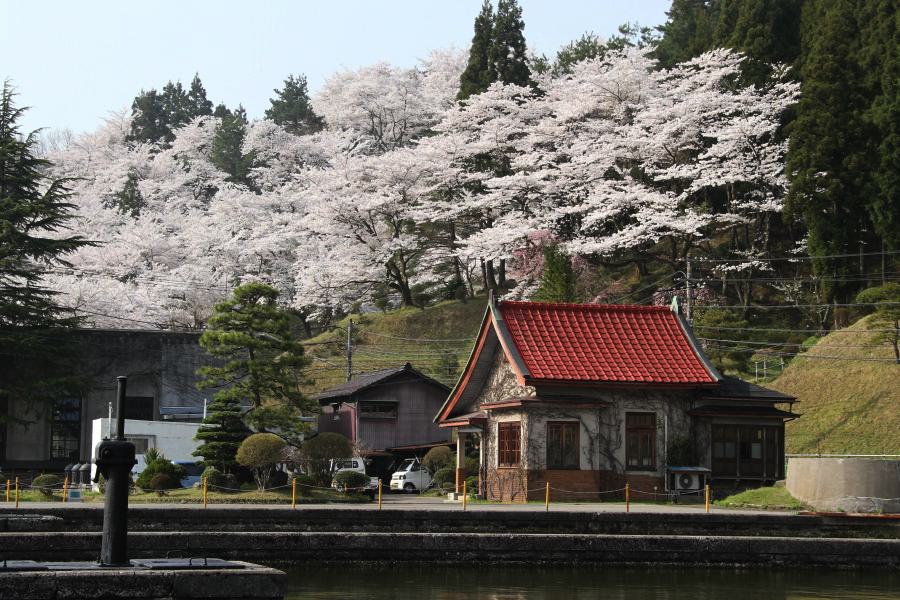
(226, 150)
(477, 76)
(688, 31)
(829, 160)
(34, 216)
(221, 434)
(199, 104)
(149, 121)
(508, 56)
(558, 278)
(291, 108)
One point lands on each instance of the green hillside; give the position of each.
(848, 406)
(436, 340)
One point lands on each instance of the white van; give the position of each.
(410, 477)
(354, 464)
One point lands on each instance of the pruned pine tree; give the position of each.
(292, 108)
(261, 362)
(35, 216)
(221, 434)
(477, 76)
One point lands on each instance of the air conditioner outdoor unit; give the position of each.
(685, 482)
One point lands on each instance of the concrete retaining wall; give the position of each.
(287, 547)
(846, 484)
(238, 519)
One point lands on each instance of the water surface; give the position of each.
(458, 582)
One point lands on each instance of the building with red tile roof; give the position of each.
(589, 397)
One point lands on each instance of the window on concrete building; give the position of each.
(65, 430)
(509, 443)
(640, 441)
(563, 445)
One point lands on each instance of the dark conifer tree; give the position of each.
(477, 76)
(688, 31)
(226, 150)
(508, 56)
(149, 121)
(829, 161)
(35, 356)
(291, 108)
(199, 105)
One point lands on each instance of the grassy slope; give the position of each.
(766, 497)
(376, 345)
(847, 406)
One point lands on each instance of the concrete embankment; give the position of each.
(274, 548)
(234, 519)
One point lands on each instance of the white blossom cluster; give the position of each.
(407, 190)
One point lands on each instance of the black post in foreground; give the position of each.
(115, 458)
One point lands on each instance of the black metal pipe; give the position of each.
(115, 458)
(120, 407)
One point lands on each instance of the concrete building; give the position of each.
(588, 398)
(161, 368)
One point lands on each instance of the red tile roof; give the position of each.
(597, 342)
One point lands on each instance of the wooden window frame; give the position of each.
(509, 445)
(638, 430)
(560, 425)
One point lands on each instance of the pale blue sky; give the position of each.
(74, 61)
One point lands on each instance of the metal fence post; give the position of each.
(465, 495)
(379, 494)
(547, 498)
(627, 498)
(707, 497)
(294, 493)
(17, 492)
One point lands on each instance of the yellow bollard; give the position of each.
(294, 493)
(7, 490)
(707, 497)
(547, 498)
(379, 494)
(17, 492)
(205, 491)
(465, 495)
(66, 489)
(627, 498)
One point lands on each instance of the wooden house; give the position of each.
(590, 397)
(387, 414)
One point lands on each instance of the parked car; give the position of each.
(410, 477)
(354, 464)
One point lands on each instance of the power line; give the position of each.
(856, 331)
(808, 355)
(426, 340)
(792, 258)
(789, 343)
(791, 306)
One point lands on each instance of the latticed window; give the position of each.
(640, 441)
(509, 439)
(562, 445)
(65, 429)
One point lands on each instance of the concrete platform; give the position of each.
(251, 582)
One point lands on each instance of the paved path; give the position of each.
(397, 502)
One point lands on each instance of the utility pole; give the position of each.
(687, 287)
(350, 350)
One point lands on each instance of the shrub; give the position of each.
(472, 485)
(162, 482)
(445, 476)
(305, 484)
(317, 454)
(45, 484)
(351, 481)
(260, 453)
(471, 465)
(159, 464)
(809, 343)
(223, 482)
(438, 458)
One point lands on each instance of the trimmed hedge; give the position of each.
(46, 484)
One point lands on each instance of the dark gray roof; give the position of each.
(733, 387)
(365, 380)
(741, 411)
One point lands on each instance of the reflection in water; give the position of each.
(504, 582)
